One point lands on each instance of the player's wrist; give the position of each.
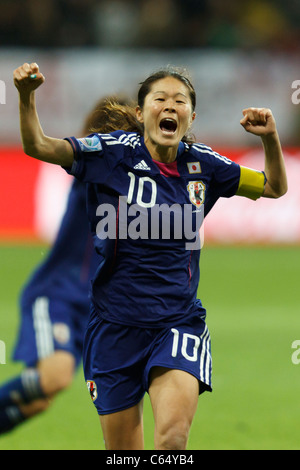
(26, 98)
(270, 136)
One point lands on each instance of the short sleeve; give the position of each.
(93, 162)
(226, 176)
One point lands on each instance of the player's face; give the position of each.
(167, 113)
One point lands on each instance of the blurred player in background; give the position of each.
(147, 330)
(55, 302)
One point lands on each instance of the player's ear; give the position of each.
(193, 117)
(139, 114)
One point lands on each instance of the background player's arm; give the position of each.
(260, 122)
(35, 143)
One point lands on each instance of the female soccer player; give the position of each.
(55, 302)
(147, 329)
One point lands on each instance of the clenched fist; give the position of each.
(258, 121)
(27, 78)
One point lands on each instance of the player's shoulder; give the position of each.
(96, 141)
(205, 153)
(121, 139)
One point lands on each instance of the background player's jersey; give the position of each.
(71, 263)
(149, 273)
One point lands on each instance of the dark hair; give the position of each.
(179, 74)
(111, 114)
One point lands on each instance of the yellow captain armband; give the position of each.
(252, 183)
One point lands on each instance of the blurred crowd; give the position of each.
(251, 24)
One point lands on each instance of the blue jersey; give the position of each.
(149, 272)
(71, 264)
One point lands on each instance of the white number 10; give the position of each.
(141, 181)
(185, 339)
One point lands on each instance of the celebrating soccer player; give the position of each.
(147, 330)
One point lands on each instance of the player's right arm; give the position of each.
(36, 144)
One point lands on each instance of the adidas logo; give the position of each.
(142, 166)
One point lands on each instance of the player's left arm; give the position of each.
(261, 122)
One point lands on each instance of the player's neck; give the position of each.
(160, 153)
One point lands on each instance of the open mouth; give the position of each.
(168, 126)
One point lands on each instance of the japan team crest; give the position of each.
(196, 191)
(92, 388)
